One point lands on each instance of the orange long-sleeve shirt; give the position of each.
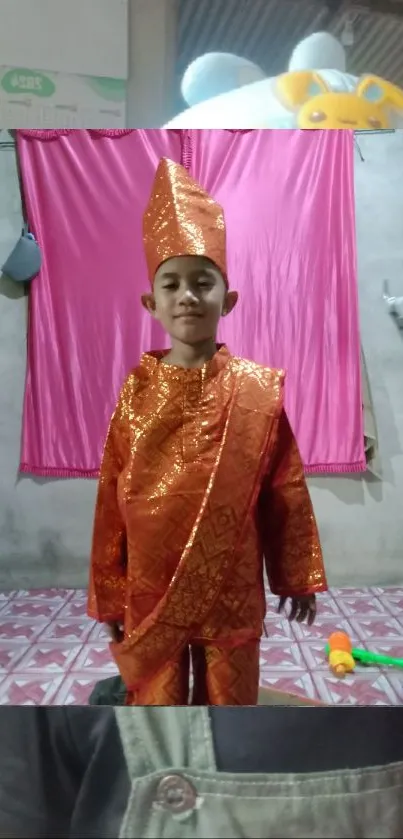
(185, 452)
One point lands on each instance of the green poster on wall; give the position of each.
(35, 99)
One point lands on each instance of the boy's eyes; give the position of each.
(200, 284)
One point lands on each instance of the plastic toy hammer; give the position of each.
(343, 657)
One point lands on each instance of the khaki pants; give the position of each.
(177, 792)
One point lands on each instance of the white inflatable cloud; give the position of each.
(227, 91)
(319, 51)
(202, 81)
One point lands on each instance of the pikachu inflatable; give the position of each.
(226, 91)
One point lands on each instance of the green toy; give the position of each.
(366, 657)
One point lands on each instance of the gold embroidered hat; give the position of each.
(182, 220)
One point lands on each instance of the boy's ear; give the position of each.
(148, 301)
(231, 299)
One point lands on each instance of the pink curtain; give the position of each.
(289, 204)
(86, 193)
(288, 197)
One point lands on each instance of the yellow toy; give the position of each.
(369, 106)
(340, 656)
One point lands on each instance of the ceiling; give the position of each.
(266, 31)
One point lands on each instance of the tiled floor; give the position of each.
(51, 653)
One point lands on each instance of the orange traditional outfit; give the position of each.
(201, 486)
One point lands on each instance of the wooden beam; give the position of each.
(393, 8)
(332, 9)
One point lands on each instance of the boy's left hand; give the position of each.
(302, 608)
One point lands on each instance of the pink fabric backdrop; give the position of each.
(288, 198)
(85, 195)
(290, 214)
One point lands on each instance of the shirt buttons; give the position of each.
(176, 794)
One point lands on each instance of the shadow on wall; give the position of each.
(352, 489)
(50, 547)
(12, 290)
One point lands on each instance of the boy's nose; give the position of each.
(188, 296)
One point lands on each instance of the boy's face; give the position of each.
(189, 298)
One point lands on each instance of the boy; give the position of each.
(201, 479)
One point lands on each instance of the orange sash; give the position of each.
(211, 551)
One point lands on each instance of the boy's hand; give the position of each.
(115, 629)
(302, 608)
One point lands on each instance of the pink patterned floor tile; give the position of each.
(368, 628)
(393, 598)
(352, 591)
(99, 633)
(75, 608)
(293, 682)
(5, 599)
(365, 606)
(392, 603)
(396, 680)
(322, 628)
(25, 607)
(52, 653)
(280, 655)
(29, 689)
(56, 595)
(49, 657)
(356, 689)
(328, 607)
(278, 628)
(11, 653)
(69, 629)
(79, 594)
(76, 688)
(95, 658)
(23, 630)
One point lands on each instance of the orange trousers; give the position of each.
(220, 677)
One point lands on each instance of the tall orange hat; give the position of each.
(182, 220)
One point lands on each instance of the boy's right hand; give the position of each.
(116, 631)
(303, 608)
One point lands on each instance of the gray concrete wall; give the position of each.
(361, 521)
(152, 84)
(45, 526)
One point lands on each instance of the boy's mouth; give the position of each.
(188, 316)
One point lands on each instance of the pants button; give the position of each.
(176, 794)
